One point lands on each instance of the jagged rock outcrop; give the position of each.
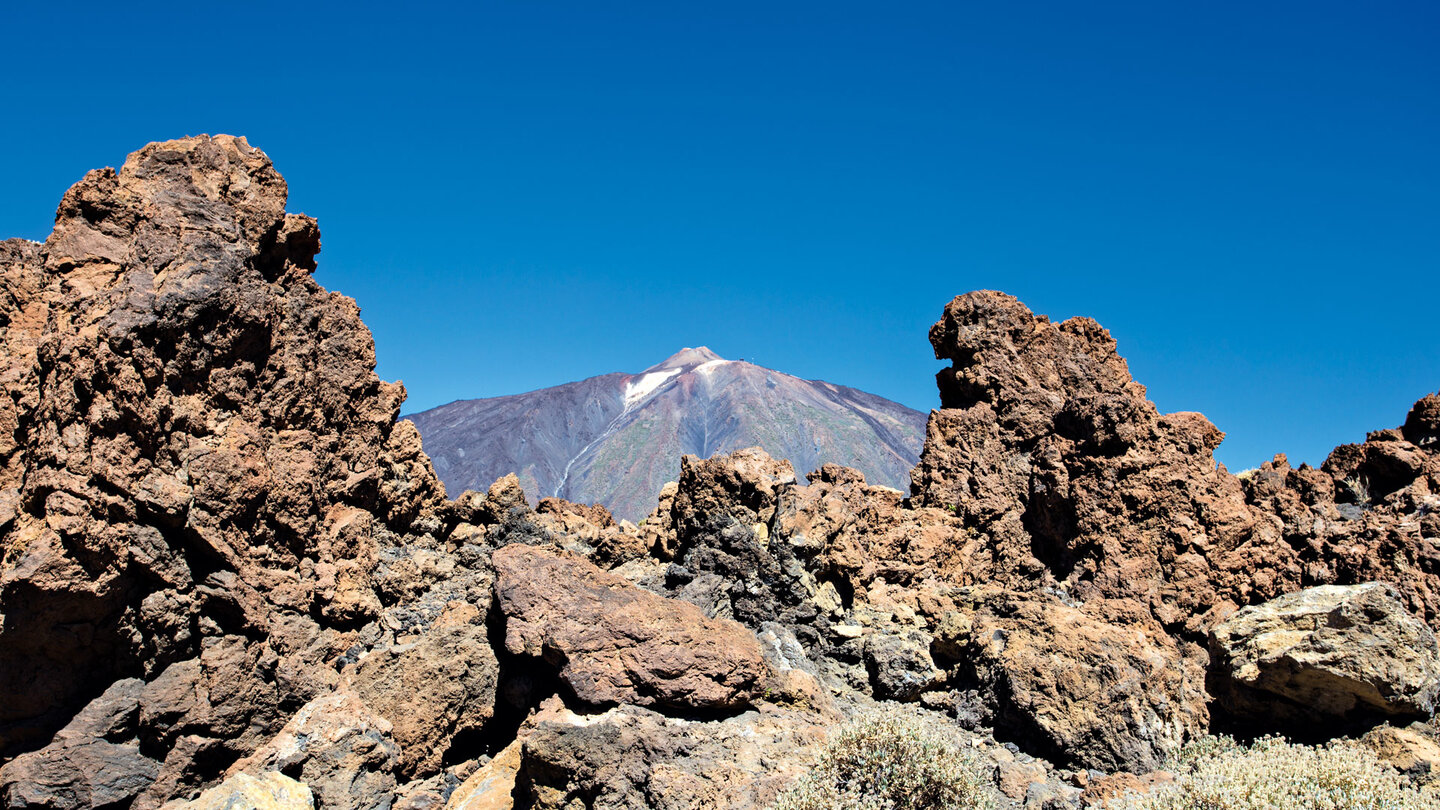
(1326, 654)
(1046, 474)
(200, 476)
(1047, 447)
(1370, 513)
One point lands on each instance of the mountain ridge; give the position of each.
(615, 438)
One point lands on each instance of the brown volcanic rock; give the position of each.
(434, 688)
(1046, 446)
(200, 473)
(82, 767)
(1101, 685)
(615, 643)
(220, 552)
(1370, 513)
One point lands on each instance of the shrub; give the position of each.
(1219, 774)
(890, 760)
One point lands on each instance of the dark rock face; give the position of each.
(615, 439)
(81, 767)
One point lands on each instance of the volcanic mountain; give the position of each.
(617, 438)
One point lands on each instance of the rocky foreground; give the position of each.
(230, 575)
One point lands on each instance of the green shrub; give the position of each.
(891, 761)
(1217, 773)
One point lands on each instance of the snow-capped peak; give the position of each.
(687, 358)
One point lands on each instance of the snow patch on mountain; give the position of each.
(637, 391)
(709, 367)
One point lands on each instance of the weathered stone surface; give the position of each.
(1326, 653)
(900, 666)
(1098, 687)
(268, 791)
(339, 748)
(1052, 455)
(78, 773)
(82, 766)
(434, 688)
(630, 758)
(1413, 750)
(612, 642)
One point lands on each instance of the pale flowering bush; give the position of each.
(1216, 773)
(891, 761)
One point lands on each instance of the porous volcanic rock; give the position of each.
(1101, 685)
(1328, 653)
(1047, 448)
(629, 758)
(1370, 513)
(881, 596)
(222, 557)
(613, 642)
(202, 481)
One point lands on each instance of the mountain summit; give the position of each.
(617, 438)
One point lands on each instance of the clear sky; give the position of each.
(1247, 194)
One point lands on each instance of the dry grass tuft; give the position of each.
(890, 760)
(1216, 773)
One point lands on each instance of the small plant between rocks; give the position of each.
(1217, 773)
(890, 760)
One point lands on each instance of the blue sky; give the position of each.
(520, 194)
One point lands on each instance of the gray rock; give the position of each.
(1333, 651)
(900, 666)
(89, 763)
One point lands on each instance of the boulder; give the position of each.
(1413, 750)
(629, 758)
(612, 642)
(1322, 654)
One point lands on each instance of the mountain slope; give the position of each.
(616, 438)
